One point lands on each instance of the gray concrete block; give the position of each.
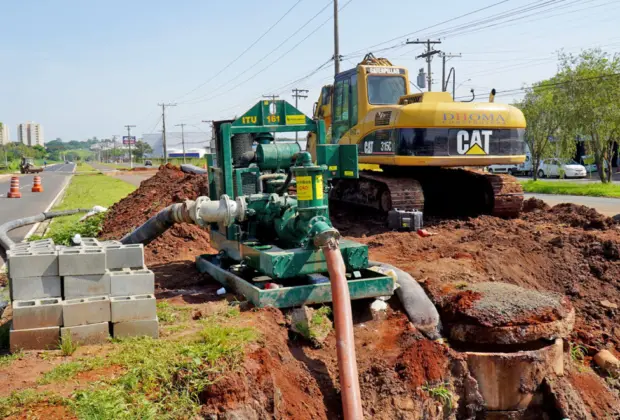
(81, 260)
(132, 282)
(86, 285)
(34, 339)
(37, 313)
(133, 308)
(106, 244)
(145, 327)
(26, 288)
(32, 262)
(87, 334)
(124, 256)
(84, 311)
(89, 242)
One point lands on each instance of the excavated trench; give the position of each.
(511, 339)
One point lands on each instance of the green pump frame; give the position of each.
(280, 264)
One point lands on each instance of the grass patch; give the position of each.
(85, 167)
(440, 393)
(67, 345)
(578, 352)
(169, 314)
(163, 378)
(69, 370)
(7, 359)
(86, 192)
(592, 189)
(16, 402)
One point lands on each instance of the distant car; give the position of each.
(67, 162)
(148, 163)
(503, 169)
(562, 168)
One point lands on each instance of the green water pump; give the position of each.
(268, 211)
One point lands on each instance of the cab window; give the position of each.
(385, 90)
(353, 87)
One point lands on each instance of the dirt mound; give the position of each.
(169, 185)
(569, 214)
(540, 250)
(534, 204)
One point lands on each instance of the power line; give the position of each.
(197, 99)
(428, 27)
(256, 41)
(549, 85)
(182, 125)
(273, 62)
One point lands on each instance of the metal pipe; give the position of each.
(267, 176)
(345, 341)
(7, 243)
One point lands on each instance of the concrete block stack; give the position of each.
(86, 291)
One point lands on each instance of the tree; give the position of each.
(590, 97)
(544, 119)
(140, 149)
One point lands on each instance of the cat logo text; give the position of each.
(474, 142)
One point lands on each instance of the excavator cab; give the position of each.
(421, 151)
(322, 111)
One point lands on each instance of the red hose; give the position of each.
(345, 342)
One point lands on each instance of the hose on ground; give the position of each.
(420, 310)
(7, 243)
(158, 224)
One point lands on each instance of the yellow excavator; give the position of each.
(420, 151)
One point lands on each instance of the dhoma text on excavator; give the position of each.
(421, 151)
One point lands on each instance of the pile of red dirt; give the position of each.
(567, 249)
(169, 185)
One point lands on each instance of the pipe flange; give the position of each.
(241, 208)
(196, 214)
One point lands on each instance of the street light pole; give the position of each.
(129, 127)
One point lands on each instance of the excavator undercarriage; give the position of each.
(444, 192)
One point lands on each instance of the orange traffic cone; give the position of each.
(14, 191)
(36, 186)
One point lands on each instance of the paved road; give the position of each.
(134, 178)
(592, 178)
(53, 179)
(606, 206)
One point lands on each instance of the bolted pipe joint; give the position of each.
(322, 232)
(224, 211)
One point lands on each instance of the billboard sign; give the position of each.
(129, 140)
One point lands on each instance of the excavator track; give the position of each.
(380, 192)
(507, 194)
(446, 192)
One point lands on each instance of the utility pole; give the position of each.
(273, 100)
(298, 93)
(272, 97)
(163, 127)
(336, 40)
(129, 127)
(428, 55)
(212, 134)
(444, 84)
(182, 138)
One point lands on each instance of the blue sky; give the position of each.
(86, 68)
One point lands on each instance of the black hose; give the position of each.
(284, 187)
(420, 310)
(7, 243)
(152, 228)
(193, 169)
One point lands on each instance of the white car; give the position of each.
(562, 168)
(503, 169)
